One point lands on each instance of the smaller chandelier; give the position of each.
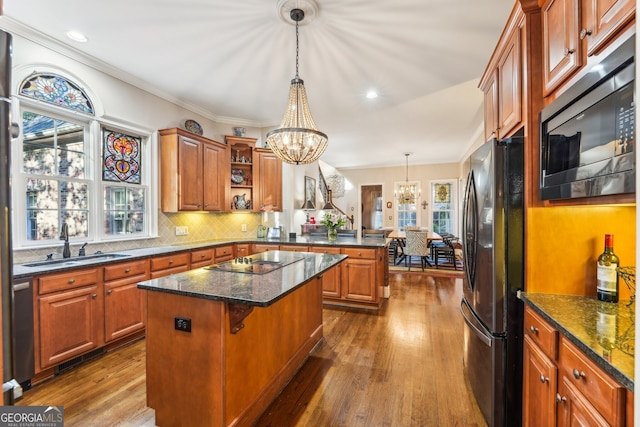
(407, 194)
(297, 140)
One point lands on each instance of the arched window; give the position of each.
(56, 90)
(74, 169)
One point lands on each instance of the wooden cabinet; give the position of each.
(269, 182)
(264, 247)
(170, 264)
(223, 253)
(603, 19)
(242, 250)
(562, 55)
(256, 176)
(192, 172)
(124, 304)
(562, 386)
(587, 392)
(69, 316)
(242, 177)
(540, 378)
(295, 248)
(202, 258)
(573, 30)
(332, 279)
(502, 82)
(360, 279)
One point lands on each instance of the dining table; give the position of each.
(400, 237)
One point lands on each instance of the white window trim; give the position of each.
(94, 172)
(396, 203)
(454, 203)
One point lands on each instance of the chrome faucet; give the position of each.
(64, 235)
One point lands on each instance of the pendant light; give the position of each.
(297, 140)
(407, 194)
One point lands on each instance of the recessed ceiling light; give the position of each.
(76, 36)
(372, 94)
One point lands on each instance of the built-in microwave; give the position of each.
(588, 133)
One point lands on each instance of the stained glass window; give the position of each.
(121, 157)
(56, 90)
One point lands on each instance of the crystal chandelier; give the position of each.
(407, 194)
(297, 140)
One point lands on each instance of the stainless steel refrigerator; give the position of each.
(6, 265)
(493, 235)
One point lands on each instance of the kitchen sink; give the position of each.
(79, 260)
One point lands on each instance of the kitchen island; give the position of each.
(221, 342)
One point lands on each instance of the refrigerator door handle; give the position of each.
(474, 324)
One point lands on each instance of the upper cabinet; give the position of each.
(256, 176)
(574, 30)
(242, 178)
(192, 172)
(502, 83)
(269, 168)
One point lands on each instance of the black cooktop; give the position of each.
(261, 263)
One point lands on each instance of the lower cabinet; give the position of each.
(70, 324)
(564, 387)
(125, 309)
(332, 279)
(170, 264)
(359, 279)
(223, 253)
(201, 258)
(242, 249)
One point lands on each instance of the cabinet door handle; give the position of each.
(568, 51)
(584, 33)
(127, 270)
(533, 329)
(544, 379)
(94, 296)
(579, 374)
(170, 261)
(72, 281)
(110, 291)
(560, 398)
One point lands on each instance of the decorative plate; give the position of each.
(237, 176)
(193, 127)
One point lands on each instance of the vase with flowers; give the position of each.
(333, 221)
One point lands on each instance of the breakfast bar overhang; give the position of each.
(223, 340)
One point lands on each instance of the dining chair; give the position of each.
(447, 251)
(416, 245)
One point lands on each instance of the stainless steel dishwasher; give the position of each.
(23, 353)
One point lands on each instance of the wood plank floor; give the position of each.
(401, 366)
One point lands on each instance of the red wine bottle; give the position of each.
(607, 272)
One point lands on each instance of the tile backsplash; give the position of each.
(201, 227)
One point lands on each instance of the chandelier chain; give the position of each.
(297, 51)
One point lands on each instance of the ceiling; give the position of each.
(232, 61)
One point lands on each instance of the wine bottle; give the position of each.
(607, 273)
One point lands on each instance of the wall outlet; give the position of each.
(244, 227)
(182, 231)
(182, 324)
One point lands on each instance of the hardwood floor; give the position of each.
(401, 366)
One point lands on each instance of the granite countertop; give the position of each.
(250, 289)
(576, 317)
(60, 265)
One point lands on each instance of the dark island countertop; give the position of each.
(576, 316)
(246, 288)
(59, 265)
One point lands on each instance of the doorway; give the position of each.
(371, 198)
